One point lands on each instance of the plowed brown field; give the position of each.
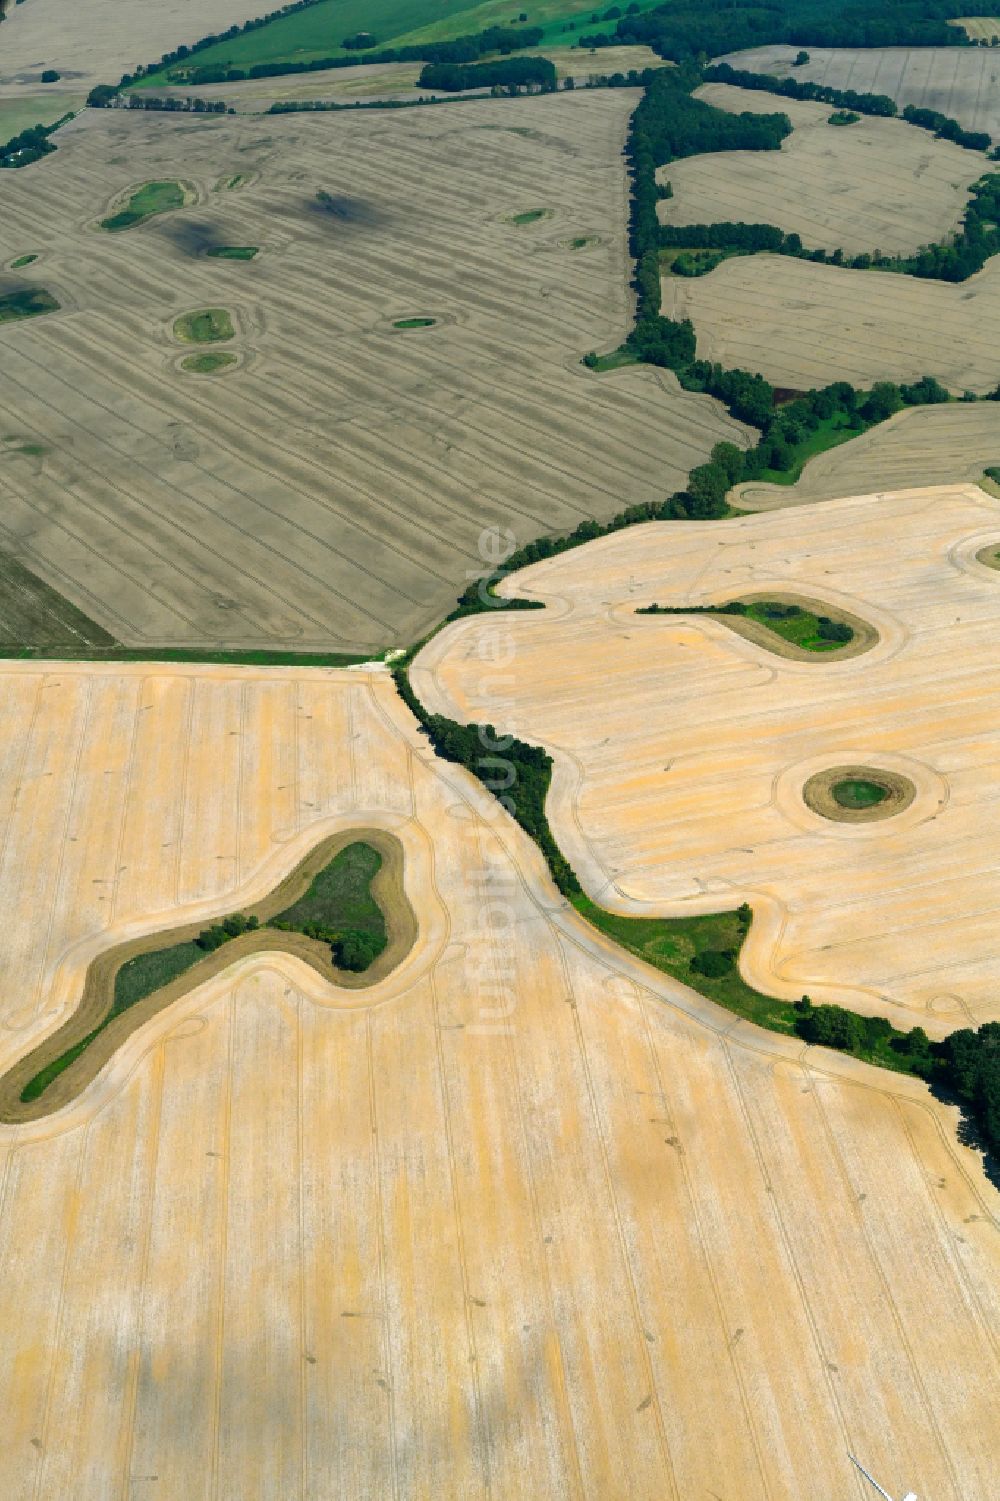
(525, 1220)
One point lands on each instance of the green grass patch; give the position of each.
(703, 952)
(233, 252)
(30, 302)
(145, 203)
(208, 325)
(530, 216)
(793, 623)
(799, 626)
(208, 364)
(261, 657)
(340, 896)
(414, 323)
(41, 1081)
(672, 943)
(613, 361)
(22, 261)
(857, 794)
(829, 434)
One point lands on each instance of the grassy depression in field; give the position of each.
(210, 325)
(144, 203)
(790, 626)
(208, 364)
(858, 794)
(233, 252)
(22, 261)
(414, 323)
(342, 910)
(27, 303)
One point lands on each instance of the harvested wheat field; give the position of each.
(681, 748)
(920, 446)
(331, 487)
(522, 1220)
(877, 185)
(957, 81)
(803, 325)
(979, 28)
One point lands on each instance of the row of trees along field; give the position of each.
(686, 29)
(176, 65)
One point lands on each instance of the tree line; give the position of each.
(30, 145)
(509, 72)
(682, 30)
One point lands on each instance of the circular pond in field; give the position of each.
(858, 794)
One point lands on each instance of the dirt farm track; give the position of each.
(522, 1220)
(330, 488)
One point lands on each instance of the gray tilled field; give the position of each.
(330, 488)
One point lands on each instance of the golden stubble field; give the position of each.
(920, 446)
(526, 1220)
(877, 185)
(331, 488)
(681, 749)
(804, 325)
(956, 81)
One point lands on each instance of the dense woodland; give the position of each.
(686, 29)
(504, 72)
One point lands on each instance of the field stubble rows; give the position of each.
(334, 486)
(523, 1220)
(803, 325)
(957, 81)
(882, 184)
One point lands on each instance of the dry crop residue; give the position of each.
(521, 1220)
(679, 788)
(957, 81)
(881, 185)
(803, 325)
(332, 489)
